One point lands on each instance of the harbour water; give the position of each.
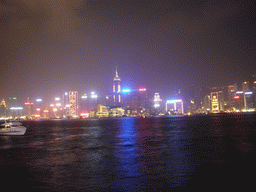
(132, 154)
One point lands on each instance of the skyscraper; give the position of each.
(245, 86)
(3, 108)
(215, 105)
(117, 90)
(232, 89)
(73, 103)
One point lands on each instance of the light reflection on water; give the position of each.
(128, 154)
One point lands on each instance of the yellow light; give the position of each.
(54, 109)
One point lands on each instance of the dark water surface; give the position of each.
(132, 154)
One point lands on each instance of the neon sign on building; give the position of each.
(175, 105)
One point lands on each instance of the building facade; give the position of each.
(73, 103)
(117, 100)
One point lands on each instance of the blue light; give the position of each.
(174, 101)
(126, 90)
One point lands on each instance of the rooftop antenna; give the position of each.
(116, 71)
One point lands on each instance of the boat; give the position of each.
(12, 128)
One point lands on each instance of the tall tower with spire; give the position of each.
(117, 90)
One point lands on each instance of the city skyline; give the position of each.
(131, 102)
(53, 47)
(49, 98)
(128, 95)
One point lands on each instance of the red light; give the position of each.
(236, 97)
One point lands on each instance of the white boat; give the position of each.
(12, 128)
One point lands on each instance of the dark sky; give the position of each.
(48, 47)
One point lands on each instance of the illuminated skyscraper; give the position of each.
(232, 89)
(174, 106)
(3, 108)
(73, 103)
(117, 90)
(215, 106)
(29, 108)
(88, 102)
(245, 86)
(3, 103)
(65, 104)
(157, 100)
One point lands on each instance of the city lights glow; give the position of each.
(156, 105)
(126, 90)
(174, 101)
(236, 97)
(58, 104)
(84, 97)
(85, 114)
(248, 93)
(16, 108)
(57, 98)
(46, 111)
(239, 92)
(39, 100)
(142, 89)
(94, 96)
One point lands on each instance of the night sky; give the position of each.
(49, 47)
